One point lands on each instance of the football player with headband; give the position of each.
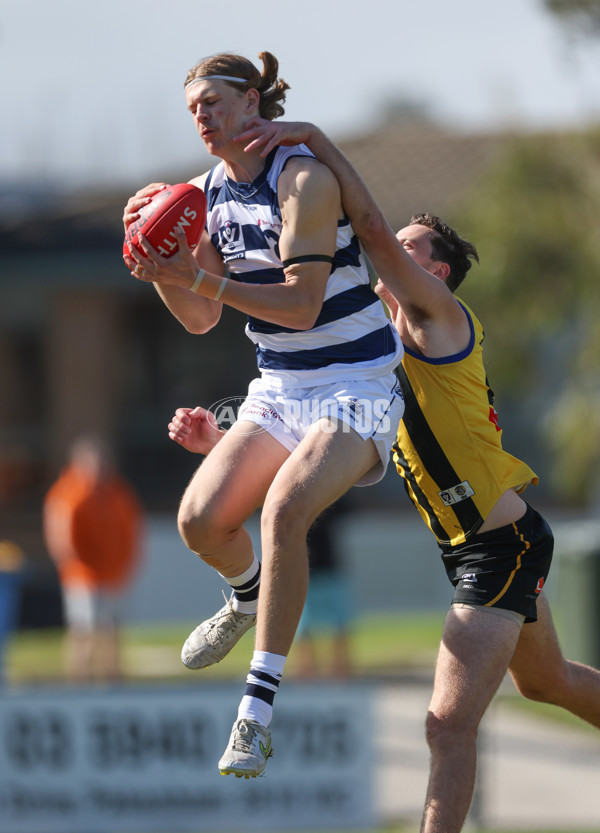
(322, 415)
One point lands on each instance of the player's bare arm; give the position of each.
(310, 206)
(197, 314)
(429, 317)
(425, 312)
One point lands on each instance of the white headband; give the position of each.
(217, 78)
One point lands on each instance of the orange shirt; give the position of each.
(92, 530)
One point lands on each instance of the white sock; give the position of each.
(245, 588)
(262, 683)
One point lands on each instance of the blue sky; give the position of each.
(95, 90)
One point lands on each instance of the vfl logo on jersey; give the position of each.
(231, 239)
(456, 493)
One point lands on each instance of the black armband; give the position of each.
(306, 259)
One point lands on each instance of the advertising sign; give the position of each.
(135, 760)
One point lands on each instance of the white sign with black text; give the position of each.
(145, 760)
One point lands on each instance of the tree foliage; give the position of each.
(535, 223)
(581, 15)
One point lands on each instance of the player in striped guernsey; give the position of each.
(496, 548)
(245, 225)
(321, 417)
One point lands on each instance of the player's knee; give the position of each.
(550, 688)
(448, 730)
(191, 527)
(531, 692)
(199, 528)
(284, 518)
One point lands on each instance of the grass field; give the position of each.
(386, 646)
(382, 645)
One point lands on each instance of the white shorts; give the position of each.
(90, 608)
(371, 407)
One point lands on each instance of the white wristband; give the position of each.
(221, 288)
(198, 281)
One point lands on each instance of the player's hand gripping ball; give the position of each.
(180, 206)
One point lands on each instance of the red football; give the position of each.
(177, 206)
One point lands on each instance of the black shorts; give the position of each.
(505, 567)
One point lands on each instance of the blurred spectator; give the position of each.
(328, 609)
(92, 527)
(12, 564)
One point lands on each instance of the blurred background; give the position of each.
(488, 115)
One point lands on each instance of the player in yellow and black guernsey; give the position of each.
(449, 449)
(496, 548)
(450, 455)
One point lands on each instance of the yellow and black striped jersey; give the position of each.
(449, 445)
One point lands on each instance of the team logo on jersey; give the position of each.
(539, 587)
(493, 418)
(456, 493)
(231, 239)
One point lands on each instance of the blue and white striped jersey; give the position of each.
(352, 337)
